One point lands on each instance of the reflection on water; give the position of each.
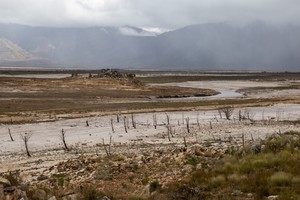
(223, 94)
(227, 94)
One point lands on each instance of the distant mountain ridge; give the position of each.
(256, 46)
(12, 52)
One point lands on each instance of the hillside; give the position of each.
(12, 54)
(257, 46)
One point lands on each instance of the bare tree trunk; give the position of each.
(154, 121)
(112, 125)
(107, 149)
(125, 125)
(216, 119)
(11, 138)
(184, 142)
(210, 125)
(63, 138)
(220, 113)
(240, 115)
(168, 119)
(26, 146)
(26, 138)
(243, 139)
(198, 123)
(168, 132)
(133, 121)
(118, 118)
(188, 124)
(228, 112)
(87, 123)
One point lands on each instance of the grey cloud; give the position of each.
(154, 13)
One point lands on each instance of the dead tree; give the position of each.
(216, 119)
(188, 124)
(240, 115)
(169, 131)
(184, 142)
(107, 148)
(228, 111)
(168, 119)
(198, 123)
(133, 121)
(210, 125)
(243, 140)
(154, 121)
(87, 123)
(125, 125)
(25, 139)
(112, 125)
(250, 115)
(118, 118)
(220, 113)
(63, 138)
(11, 138)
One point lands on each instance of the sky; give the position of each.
(163, 14)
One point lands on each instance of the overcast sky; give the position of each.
(168, 14)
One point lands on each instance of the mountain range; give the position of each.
(218, 46)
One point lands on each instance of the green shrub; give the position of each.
(192, 161)
(89, 192)
(281, 179)
(155, 185)
(145, 180)
(13, 178)
(218, 181)
(236, 178)
(120, 159)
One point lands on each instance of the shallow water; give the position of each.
(226, 94)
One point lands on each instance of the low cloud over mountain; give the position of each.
(257, 46)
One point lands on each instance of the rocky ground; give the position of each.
(127, 165)
(132, 155)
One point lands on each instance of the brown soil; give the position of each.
(29, 99)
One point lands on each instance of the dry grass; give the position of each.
(274, 171)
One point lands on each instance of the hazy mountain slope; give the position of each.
(13, 55)
(208, 46)
(12, 52)
(256, 46)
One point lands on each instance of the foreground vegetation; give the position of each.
(262, 169)
(270, 168)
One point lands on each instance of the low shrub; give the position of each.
(281, 179)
